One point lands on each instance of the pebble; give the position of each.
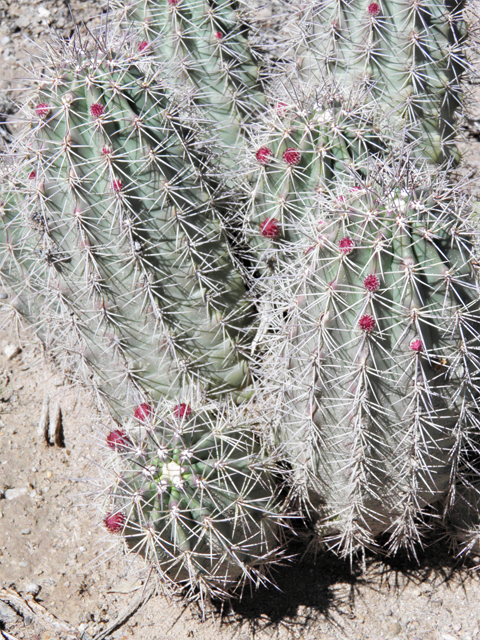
(11, 494)
(23, 564)
(394, 628)
(32, 588)
(26, 532)
(7, 614)
(4, 41)
(43, 12)
(11, 350)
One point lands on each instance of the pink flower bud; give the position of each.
(367, 323)
(291, 156)
(182, 410)
(346, 246)
(263, 155)
(416, 345)
(96, 110)
(371, 282)
(270, 228)
(143, 412)
(114, 522)
(42, 110)
(118, 439)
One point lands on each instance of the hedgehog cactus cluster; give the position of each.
(190, 492)
(265, 267)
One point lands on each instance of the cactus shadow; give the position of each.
(311, 587)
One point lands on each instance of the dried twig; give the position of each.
(33, 609)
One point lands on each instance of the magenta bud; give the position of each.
(42, 110)
(416, 345)
(143, 412)
(291, 156)
(346, 245)
(371, 282)
(263, 155)
(367, 323)
(182, 410)
(96, 110)
(270, 228)
(118, 440)
(114, 522)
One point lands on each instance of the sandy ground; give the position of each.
(65, 579)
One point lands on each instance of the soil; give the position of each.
(64, 578)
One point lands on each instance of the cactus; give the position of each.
(120, 245)
(189, 491)
(409, 56)
(374, 356)
(116, 185)
(204, 48)
(116, 253)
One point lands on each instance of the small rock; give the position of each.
(43, 12)
(457, 626)
(11, 494)
(26, 532)
(32, 588)
(4, 41)
(23, 564)
(7, 614)
(11, 350)
(394, 628)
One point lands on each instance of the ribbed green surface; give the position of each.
(202, 47)
(410, 56)
(194, 497)
(118, 231)
(372, 389)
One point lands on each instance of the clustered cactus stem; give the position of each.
(273, 285)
